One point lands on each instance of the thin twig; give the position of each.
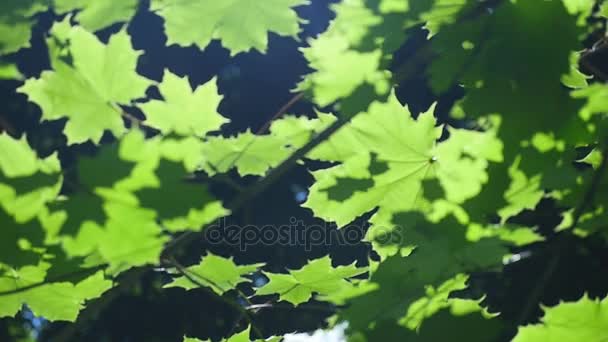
(289, 307)
(258, 187)
(134, 120)
(174, 262)
(243, 311)
(280, 112)
(253, 191)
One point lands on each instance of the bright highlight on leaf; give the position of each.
(583, 320)
(9, 72)
(27, 182)
(340, 68)
(99, 79)
(95, 15)
(183, 111)
(61, 301)
(239, 24)
(388, 157)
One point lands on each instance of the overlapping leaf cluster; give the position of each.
(439, 197)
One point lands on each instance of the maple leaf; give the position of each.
(317, 276)
(184, 111)
(16, 23)
(95, 15)
(583, 320)
(239, 24)
(253, 154)
(88, 91)
(55, 301)
(216, 272)
(27, 182)
(387, 157)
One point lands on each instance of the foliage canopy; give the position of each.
(444, 190)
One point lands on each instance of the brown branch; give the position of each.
(263, 129)
(258, 187)
(280, 112)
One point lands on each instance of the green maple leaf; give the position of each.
(88, 90)
(540, 153)
(184, 111)
(597, 100)
(130, 237)
(351, 62)
(341, 68)
(318, 276)
(438, 251)
(122, 192)
(461, 320)
(218, 273)
(191, 205)
(391, 158)
(434, 300)
(16, 23)
(123, 234)
(579, 6)
(162, 172)
(56, 301)
(27, 182)
(9, 71)
(592, 218)
(19, 160)
(97, 14)
(254, 154)
(444, 12)
(250, 154)
(13, 253)
(583, 320)
(518, 236)
(575, 79)
(239, 24)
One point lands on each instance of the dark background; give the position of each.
(254, 87)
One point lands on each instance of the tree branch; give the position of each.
(243, 311)
(257, 188)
